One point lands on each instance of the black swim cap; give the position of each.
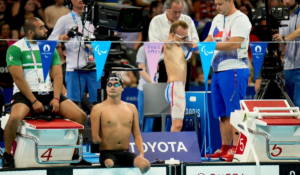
(115, 77)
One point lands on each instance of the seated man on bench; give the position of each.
(31, 91)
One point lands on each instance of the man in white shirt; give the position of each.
(160, 28)
(231, 28)
(77, 54)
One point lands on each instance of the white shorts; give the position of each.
(175, 95)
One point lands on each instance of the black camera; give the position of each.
(108, 18)
(276, 14)
(279, 13)
(72, 32)
(121, 18)
(117, 17)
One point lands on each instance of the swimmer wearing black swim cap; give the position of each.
(115, 120)
(115, 77)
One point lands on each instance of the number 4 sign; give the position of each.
(49, 151)
(242, 144)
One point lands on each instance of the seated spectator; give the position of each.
(205, 10)
(26, 7)
(5, 34)
(188, 8)
(53, 13)
(6, 18)
(156, 8)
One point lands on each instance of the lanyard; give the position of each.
(191, 49)
(33, 57)
(76, 23)
(224, 30)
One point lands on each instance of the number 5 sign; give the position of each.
(242, 144)
(276, 148)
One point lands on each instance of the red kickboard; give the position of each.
(54, 124)
(266, 103)
(279, 121)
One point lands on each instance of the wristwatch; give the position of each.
(283, 37)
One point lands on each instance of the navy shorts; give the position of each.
(87, 79)
(227, 89)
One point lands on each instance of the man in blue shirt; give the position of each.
(77, 54)
(292, 55)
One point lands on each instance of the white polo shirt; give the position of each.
(159, 30)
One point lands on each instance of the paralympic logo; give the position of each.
(258, 49)
(205, 51)
(46, 48)
(100, 52)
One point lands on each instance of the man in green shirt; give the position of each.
(31, 91)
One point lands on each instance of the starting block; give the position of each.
(40, 143)
(269, 131)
